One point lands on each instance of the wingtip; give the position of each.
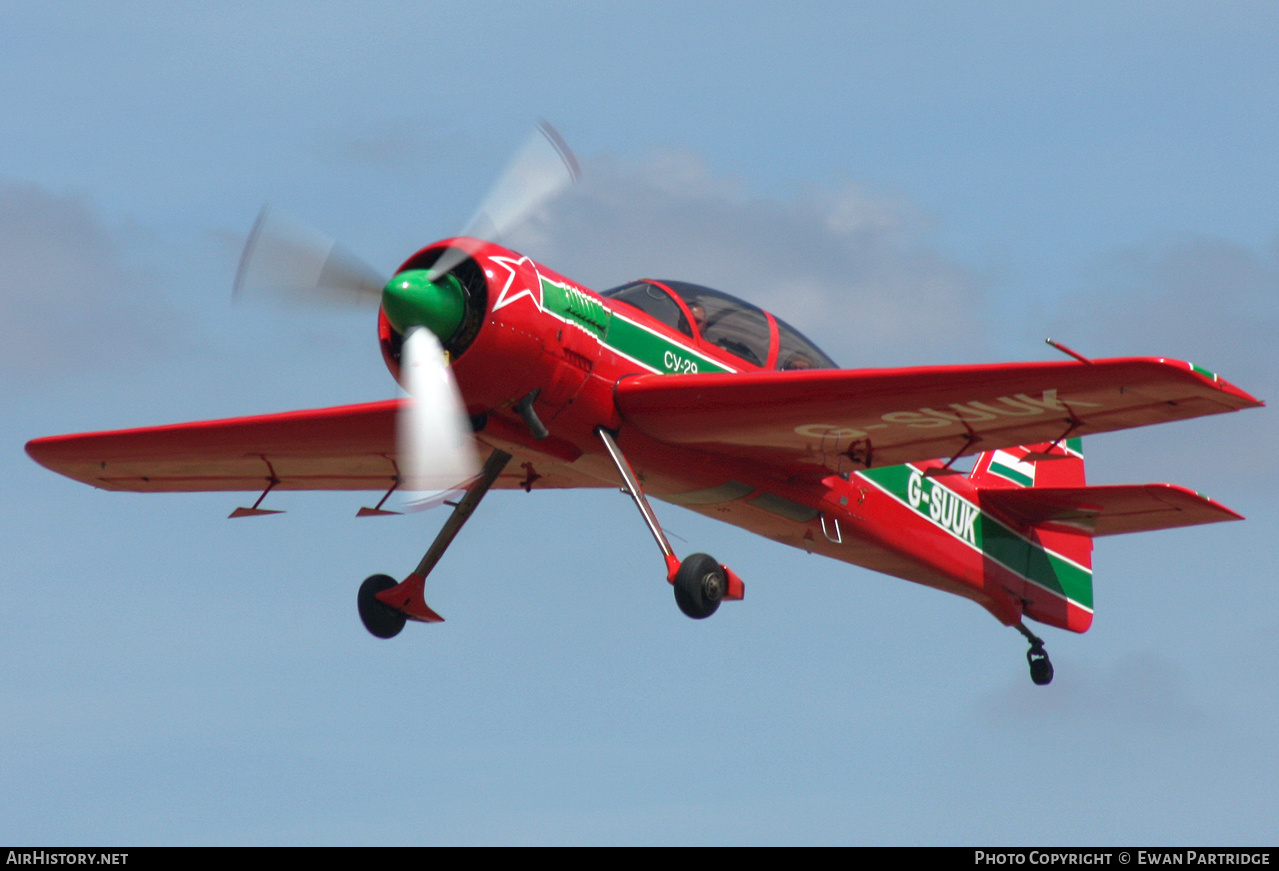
(40, 449)
(1244, 398)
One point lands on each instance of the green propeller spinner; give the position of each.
(412, 299)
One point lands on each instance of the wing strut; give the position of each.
(407, 599)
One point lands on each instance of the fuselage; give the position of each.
(692, 396)
(530, 329)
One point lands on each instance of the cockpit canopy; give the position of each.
(724, 322)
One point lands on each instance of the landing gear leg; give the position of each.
(1041, 667)
(386, 605)
(700, 583)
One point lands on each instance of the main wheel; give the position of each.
(700, 585)
(379, 618)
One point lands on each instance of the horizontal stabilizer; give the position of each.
(1108, 510)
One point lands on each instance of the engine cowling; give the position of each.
(486, 311)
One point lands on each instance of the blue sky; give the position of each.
(926, 183)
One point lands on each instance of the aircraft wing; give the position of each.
(848, 419)
(350, 447)
(1110, 509)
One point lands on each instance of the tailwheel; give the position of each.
(700, 586)
(1041, 667)
(379, 618)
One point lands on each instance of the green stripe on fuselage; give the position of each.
(656, 351)
(972, 526)
(576, 307)
(627, 337)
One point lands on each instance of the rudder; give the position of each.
(1055, 562)
(1043, 465)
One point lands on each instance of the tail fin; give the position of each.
(1039, 493)
(1043, 465)
(1052, 560)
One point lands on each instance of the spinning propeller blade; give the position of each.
(435, 447)
(286, 260)
(540, 170)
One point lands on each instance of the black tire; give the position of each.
(379, 618)
(700, 585)
(1041, 669)
(685, 605)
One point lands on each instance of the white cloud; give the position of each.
(68, 298)
(399, 145)
(1210, 301)
(853, 270)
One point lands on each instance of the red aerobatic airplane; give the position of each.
(694, 397)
